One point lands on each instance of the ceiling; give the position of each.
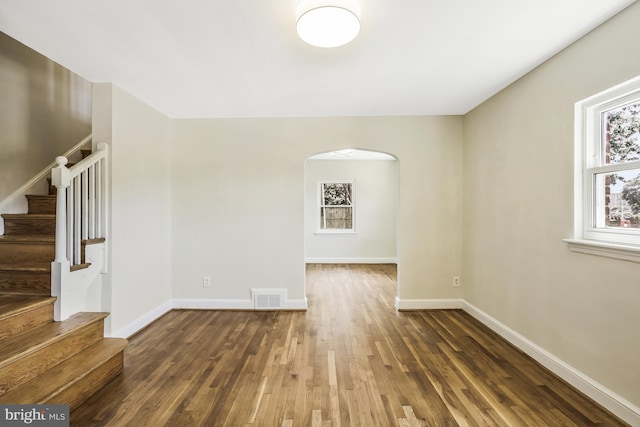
(242, 58)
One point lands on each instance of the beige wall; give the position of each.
(376, 201)
(238, 200)
(518, 206)
(45, 109)
(139, 279)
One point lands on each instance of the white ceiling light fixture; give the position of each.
(347, 152)
(328, 23)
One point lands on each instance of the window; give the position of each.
(337, 206)
(608, 166)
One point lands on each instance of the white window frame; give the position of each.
(351, 230)
(588, 238)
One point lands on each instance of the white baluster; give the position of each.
(98, 199)
(60, 179)
(70, 193)
(77, 214)
(92, 202)
(84, 206)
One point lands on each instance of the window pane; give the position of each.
(622, 134)
(617, 197)
(340, 218)
(336, 194)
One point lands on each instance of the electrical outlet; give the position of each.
(456, 281)
(206, 281)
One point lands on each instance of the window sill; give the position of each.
(323, 232)
(609, 250)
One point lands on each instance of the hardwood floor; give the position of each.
(350, 360)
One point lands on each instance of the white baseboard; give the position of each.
(212, 304)
(351, 260)
(295, 304)
(596, 391)
(196, 304)
(209, 304)
(428, 304)
(142, 321)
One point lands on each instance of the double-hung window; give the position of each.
(337, 207)
(608, 164)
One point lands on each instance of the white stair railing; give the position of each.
(81, 203)
(81, 213)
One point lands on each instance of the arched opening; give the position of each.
(351, 208)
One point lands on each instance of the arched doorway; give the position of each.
(351, 204)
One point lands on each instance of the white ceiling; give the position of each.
(242, 58)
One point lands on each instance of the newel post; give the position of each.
(60, 178)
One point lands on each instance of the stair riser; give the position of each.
(31, 365)
(26, 320)
(80, 391)
(74, 380)
(23, 226)
(25, 283)
(42, 206)
(21, 253)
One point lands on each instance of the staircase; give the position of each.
(42, 361)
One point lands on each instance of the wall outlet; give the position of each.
(456, 281)
(206, 282)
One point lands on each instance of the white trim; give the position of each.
(232, 304)
(295, 304)
(212, 304)
(351, 260)
(588, 163)
(594, 390)
(197, 304)
(609, 250)
(334, 231)
(41, 175)
(428, 304)
(142, 321)
(321, 205)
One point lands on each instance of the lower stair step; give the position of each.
(26, 279)
(39, 204)
(28, 355)
(74, 380)
(21, 249)
(22, 313)
(29, 224)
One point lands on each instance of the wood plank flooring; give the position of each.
(350, 360)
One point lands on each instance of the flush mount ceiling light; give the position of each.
(347, 152)
(328, 23)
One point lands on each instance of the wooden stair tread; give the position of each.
(66, 374)
(93, 241)
(28, 238)
(28, 216)
(18, 346)
(31, 267)
(11, 305)
(76, 267)
(41, 196)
